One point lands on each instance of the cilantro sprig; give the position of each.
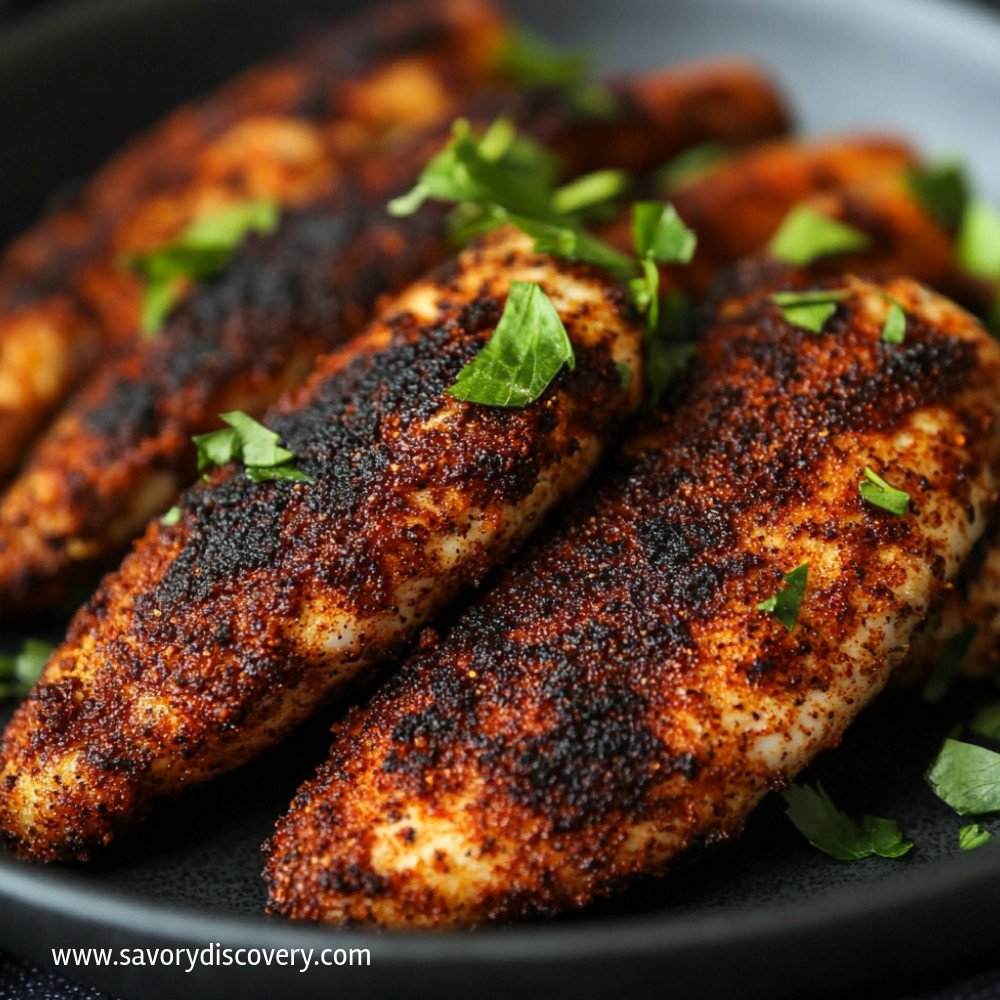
(251, 443)
(19, 671)
(201, 250)
(835, 833)
(785, 604)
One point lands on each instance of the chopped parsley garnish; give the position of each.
(531, 61)
(692, 165)
(20, 671)
(978, 243)
(809, 310)
(876, 491)
(894, 328)
(500, 168)
(972, 835)
(575, 244)
(786, 603)
(966, 777)
(251, 443)
(201, 250)
(489, 189)
(660, 237)
(816, 817)
(589, 191)
(525, 353)
(949, 662)
(986, 722)
(807, 235)
(942, 189)
(660, 233)
(171, 517)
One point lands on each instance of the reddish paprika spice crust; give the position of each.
(616, 697)
(221, 632)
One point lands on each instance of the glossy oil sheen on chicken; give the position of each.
(617, 697)
(220, 633)
(120, 450)
(282, 132)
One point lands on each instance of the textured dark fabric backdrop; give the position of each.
(21, 980)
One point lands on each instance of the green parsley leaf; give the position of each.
(692, 165)
(500, 178)
(575, 244)
(972, 835)
(876, 491)
(258, 445)
(660, 233)
(786, 603)
(171, 517)
(966, 777)
(978, 243)
(247, 441)
(894, 328)
(527, 350)
(660, 236)
(942, 189)
(645, 292)
(809, 310)
(589, 191)
(949, 662)
(532, 62)
(807, 235)
(200, 251)
(499, 168)
(20, 671)
(284, 473)
(835, 833)
(986, 722)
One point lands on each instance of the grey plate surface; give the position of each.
(765, 916)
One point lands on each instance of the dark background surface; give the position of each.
(20, 979)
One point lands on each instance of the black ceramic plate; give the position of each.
(765, 916)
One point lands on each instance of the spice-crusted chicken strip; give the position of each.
(121, 449)
(283, 132)
(736, 206)
(391, 64)
(617, 697)
(905, 240)
(220, 633)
